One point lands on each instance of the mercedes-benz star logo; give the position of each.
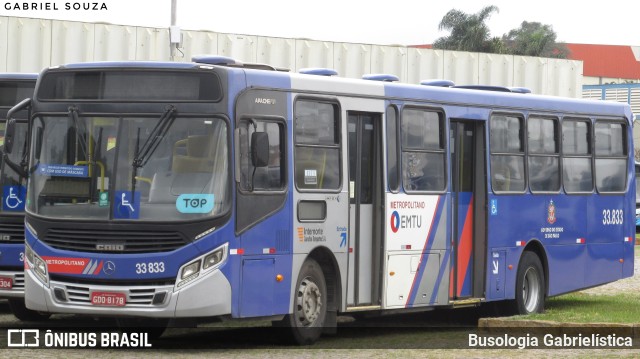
(109, 268)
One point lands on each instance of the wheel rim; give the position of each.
(531, 290)
(309, 302)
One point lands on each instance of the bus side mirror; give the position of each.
(9, 135)
(260, 149)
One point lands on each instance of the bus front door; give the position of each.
(468, 195)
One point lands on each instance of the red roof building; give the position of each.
(608, 63)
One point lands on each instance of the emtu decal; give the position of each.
(411, 221)
(395, 221)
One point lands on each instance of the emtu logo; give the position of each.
(395, 221)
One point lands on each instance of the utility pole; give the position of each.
(174, 31)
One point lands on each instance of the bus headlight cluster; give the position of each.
(201, 265)
(38, 265)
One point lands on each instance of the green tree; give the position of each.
(468, 32)
(534, 39)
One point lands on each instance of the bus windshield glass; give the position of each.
(13, 185)
(160, 168)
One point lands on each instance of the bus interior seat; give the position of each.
(501, 177)
(192, 171)
(193, 154)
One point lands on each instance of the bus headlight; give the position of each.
(38, 265)
(202, 264)
(212, 259)
(190, 269)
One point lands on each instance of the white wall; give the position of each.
(29, 45)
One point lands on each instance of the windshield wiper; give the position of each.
(143, 154)
(83, 137)
(73, 115)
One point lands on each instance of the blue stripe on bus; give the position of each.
(435, 224)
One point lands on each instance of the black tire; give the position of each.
(309, 305)
(530, 285)
(153, 327)
(20, 311)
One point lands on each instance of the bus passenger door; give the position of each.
(365, 232)
(468, 196)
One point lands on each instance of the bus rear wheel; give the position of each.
(20, 311)
(309, 305)
(530, 287)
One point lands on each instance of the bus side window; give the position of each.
(543, 154)
(262, 178)
(507, 153)
(577, 171)
(423, 157)
(317, 146)
(611, 156)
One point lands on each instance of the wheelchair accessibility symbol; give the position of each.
(13, 198)
(127, 207)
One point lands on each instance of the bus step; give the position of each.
(364, 308)
(470, 302)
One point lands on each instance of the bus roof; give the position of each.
(503, 101)
(6, 76)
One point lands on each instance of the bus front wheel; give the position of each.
(530, 287)
(20, 311)
(309, 305)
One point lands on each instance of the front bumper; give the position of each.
(209, 296)
(17, 290)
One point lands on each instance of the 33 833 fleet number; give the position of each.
(612, 216)
(150, 267)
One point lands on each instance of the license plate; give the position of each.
(6, 283)
(108, 299)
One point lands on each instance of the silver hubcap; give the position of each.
(531, 290)
(309, 302)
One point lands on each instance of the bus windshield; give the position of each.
(13, 185)
(161, 168)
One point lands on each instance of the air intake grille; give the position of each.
(114, 241)
(12, 233)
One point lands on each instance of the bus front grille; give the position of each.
(142, 296)
(12, 232)
(114, 241)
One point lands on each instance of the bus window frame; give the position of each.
(625, 148)
(335, 102)
(284, 158)
(557, 154)
(590, 154)
(446, 153)
(398, 155)
(491, 151)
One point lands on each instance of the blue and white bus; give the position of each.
(222, 189)
(14, 87)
